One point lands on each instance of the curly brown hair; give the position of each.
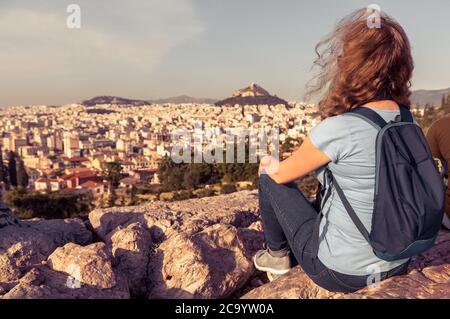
(358, 64)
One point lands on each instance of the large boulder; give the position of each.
(106, 220)
(428, 277)
(62, 231)
(20, 248)
(24, 244)
(90, 265)
(131, 246)
(165, 220)
(209, 264)
(42, 282)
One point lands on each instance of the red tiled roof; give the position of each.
(80, 175)
(48, 180)
(91, 184)
(126, 163)
(73, 170)
(129, 181)
(78, 159)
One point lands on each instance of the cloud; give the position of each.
(116, 37)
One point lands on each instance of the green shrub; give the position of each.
(228, 189)
(205, 192)
(182, 195)
(61, 204)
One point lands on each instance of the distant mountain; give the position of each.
(184, 99)
(432, 97)
(252, 95)
(114, 100)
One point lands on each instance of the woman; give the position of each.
(359, 66)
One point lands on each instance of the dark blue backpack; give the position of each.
(409, 191)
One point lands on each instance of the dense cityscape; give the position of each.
(76, 148)
(111, 151)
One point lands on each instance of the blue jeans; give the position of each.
(288, 219)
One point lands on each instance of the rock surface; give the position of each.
(167, 219)
(62, 231)
(199, 248)
(428, 277)
(43, 283)
(21, 247)
(252, 95)
(209, 264)
(89, 265)
(131, 247)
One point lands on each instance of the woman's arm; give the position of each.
(304, 160)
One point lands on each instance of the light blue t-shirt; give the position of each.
(349, 142)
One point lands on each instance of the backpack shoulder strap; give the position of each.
(370, 116)
(406, 115)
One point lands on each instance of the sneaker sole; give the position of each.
(271, 270)
(272, 277)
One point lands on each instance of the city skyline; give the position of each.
(151, 49)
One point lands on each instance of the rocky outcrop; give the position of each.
(178, 220)
(41, 282)
(167, 219)
(20, 248)
(131, 247)
(28, 243)
(33, 266)
(200, 248)
(90, 265)
(100, 100)
(428, 277)
(135, 242)
(62, 231)
(209, 264)
(252, 95)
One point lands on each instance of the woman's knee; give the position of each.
(264, 181)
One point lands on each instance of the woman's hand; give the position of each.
(268, 165)
(304, 160)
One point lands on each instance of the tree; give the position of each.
(12, 170)
(191, 178)
(112, 174)
(2, 171)
(134, 199)
(60, 204)
(187, 176)
(446, 104)
(171, 174)
(22, 176)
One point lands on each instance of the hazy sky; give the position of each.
(204, 48)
